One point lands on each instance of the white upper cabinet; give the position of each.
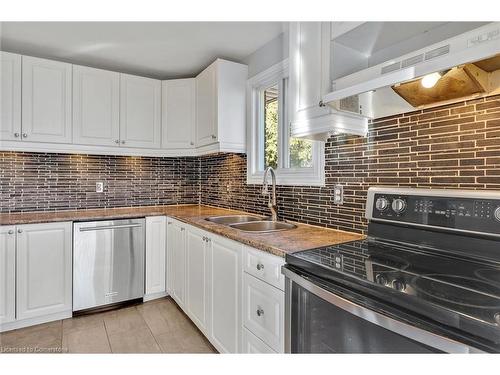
(46, 100)
(309, 69)
(220, 106)
(310, 82)
(44, 269)
(140, 111)
(96, 106)
(10, 96)
(7, 274)
(178, 113)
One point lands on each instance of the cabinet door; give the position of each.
(43, 269)
(178, 113)
(206, 106)
(46, 100)
(140, 111)
(197, 249)
(176, 247)
(309, 69)
(10, 96)
(7, 274)
(156, 246)
(225, 301)
(253, 345)
(96, 106)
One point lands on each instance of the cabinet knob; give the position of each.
(214, 136)
(191, 143)
(16, 135)
(260, 312)
(117, 141)
(182, 229)
(123, 142)
(10, 231)
(19, 231)
(260, 266)
(25, 135)
(321, 104)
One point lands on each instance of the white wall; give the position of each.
(271, 53)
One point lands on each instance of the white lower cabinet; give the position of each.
(207, 277)
(156, 247)
(251, 344)
(225, 296)
(7, 274)
(44, 269)
(176, 261)
(264, 311)
(197, 277)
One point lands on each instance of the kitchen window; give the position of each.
(296, 161)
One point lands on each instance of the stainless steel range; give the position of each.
(426, 279)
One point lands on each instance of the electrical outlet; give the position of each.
(99, 187)
(338, 194)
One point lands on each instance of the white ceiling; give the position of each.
(154, 49)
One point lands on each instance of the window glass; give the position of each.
(271, 119)
(300, 153)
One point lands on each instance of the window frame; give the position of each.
(308, 176)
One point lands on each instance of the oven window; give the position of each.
(320, 327)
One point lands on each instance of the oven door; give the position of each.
(319, 321)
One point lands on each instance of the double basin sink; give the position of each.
(248, 223)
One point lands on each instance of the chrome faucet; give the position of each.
(272, 197)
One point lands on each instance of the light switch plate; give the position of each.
(99, 187)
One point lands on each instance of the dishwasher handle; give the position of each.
(88, 229)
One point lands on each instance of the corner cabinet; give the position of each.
(221, 107)
(46, 100)
(96, 106)
(10, 96)
(140, 112)
(178, 114)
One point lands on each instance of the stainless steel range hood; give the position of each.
(468, 66)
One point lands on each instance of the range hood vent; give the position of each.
(469, 65)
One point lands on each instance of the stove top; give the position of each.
(433, 255)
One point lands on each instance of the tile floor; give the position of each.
(154, 327)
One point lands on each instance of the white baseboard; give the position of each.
(4, 327)
(152, 296)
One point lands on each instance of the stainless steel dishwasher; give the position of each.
(108, 262)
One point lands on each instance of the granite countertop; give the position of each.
(278, 243)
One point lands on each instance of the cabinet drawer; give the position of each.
(265, 267)
(253, 345)
(263, 311)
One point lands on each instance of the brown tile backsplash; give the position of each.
(453, 146)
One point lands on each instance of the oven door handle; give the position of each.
(422, 336)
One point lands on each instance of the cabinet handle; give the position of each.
(16, 135)
(117, 141)
(321, 104)
(260, 266)
(10, 231)
(214, 137)
(19, 231)
(182, 229)
(191, 143)
(123, 142)
(260, 312)
(169, 222)
(25, 135)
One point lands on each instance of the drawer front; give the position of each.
(253, 345)
(263, 311)
(265, 267)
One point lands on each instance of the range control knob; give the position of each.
(381, 204)
(399, 285)
(497, 214)
(398, 205)
(381, 279)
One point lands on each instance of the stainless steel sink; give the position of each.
(233, 219)
(263, 226)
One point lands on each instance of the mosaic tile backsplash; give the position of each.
(454, 146)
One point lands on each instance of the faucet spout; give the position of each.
(272, 197)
